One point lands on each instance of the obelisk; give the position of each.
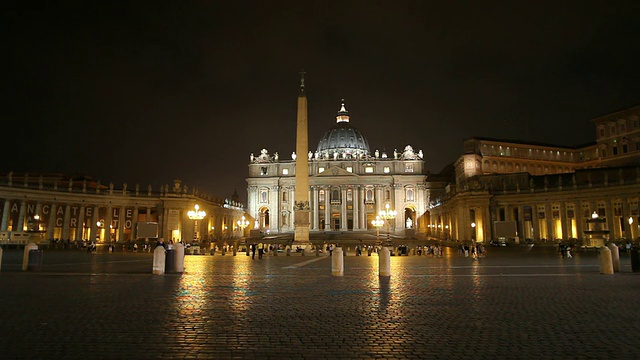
(301, 205)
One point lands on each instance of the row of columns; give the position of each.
(66, 226)
(460, 229)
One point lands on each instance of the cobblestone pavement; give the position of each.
(512, 304)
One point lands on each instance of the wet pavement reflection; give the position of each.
(292, 307)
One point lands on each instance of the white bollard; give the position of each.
(337, 262)
(158, 260)
(384, 259)
(25, 256)
(615, 256)
(179, 257)
(606, 265)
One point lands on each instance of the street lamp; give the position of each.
(387, 214)
(473, 227)
(243, 224)
(196, 215)
(377, 223)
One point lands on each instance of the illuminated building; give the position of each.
(80, 209)
(548, 191)
(348, 185)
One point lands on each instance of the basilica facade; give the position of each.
(349, 184)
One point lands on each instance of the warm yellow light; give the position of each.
(243, 223)
(473, 224)
(594, 215)
(197, 214)
(630, 220)
(378, 222)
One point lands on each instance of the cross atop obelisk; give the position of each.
(301, 208)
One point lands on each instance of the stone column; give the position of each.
(563, 221)
(121, 223)
(23, 210)
(362, 206)
(94, 223)
(80, 225)
(549, 218)
(5, 215)
(107, 224)
(327, 208)
(356, 208)
(134, 225)
(52, 221)
(66, 222)
(343, 209)
(316, 210)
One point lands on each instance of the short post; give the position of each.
(0, 258)
(25, 256)
(158, 260)
(337, 263)
(179, 258)
(384, 259)
(288, 250)
(606, 265)
(615, 256)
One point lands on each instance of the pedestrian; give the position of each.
(253, 251)
(260, 250)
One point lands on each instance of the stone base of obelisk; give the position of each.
(301, 232)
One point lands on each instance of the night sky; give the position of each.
(148, 92)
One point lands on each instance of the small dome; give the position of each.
(343, 140)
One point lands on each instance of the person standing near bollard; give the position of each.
(253, 251)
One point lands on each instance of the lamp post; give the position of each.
(473, 231)
(388, 214)
(196, 215)
(377, 223)
(243, 224)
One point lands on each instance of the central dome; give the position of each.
(343, 140)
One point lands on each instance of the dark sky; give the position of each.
(147, 92)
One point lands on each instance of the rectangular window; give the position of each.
(386, 170)
(263, 170)
(350, 169)
(285, 171)
(586, 212)
(615, 150)
(320, 169)
(368, 169)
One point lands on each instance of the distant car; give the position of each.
(498, 243)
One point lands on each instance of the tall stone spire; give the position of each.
(301, 208)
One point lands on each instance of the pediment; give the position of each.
(335, 171)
